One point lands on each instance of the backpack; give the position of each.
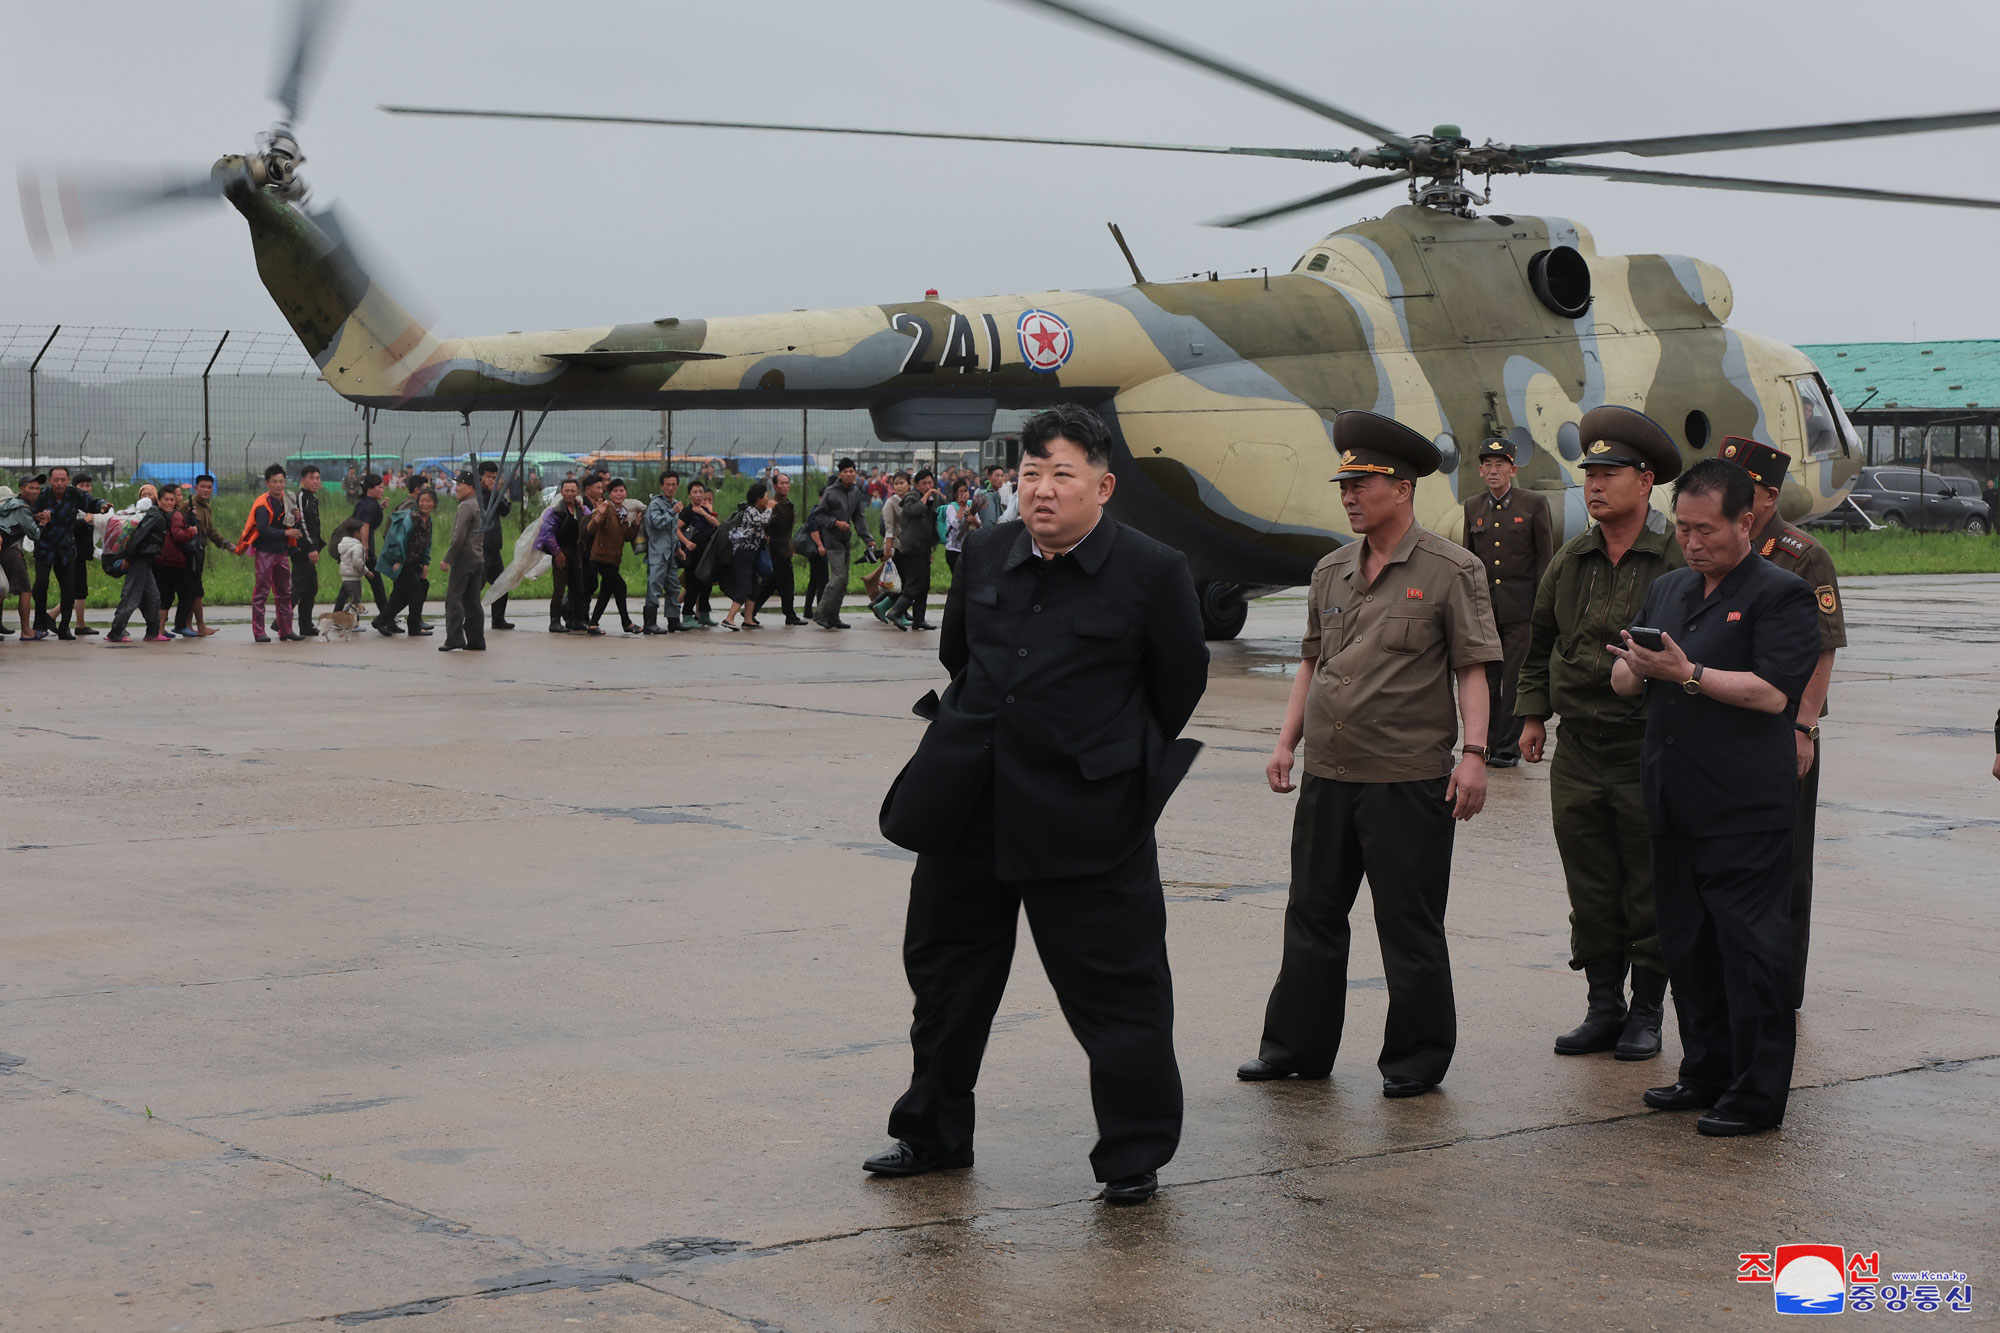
(943, 522)
(396, 540)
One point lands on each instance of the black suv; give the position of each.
(1907, 497)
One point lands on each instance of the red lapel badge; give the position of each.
(1735, 615)
(1414, 594)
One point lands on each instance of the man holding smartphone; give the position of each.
(1593, 589)
(1790, 549)
(1740, 638)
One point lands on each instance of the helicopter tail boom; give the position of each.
(366, 342)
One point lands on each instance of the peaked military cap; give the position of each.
(1766, 466)
(1374, 446)
(1496, 446)
(1627, 437)
(466, 479)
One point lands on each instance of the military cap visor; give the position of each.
(1375, 446)
(1766, 466)
(1497, 448)
(1624, 437)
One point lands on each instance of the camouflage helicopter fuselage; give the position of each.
(1221, 393)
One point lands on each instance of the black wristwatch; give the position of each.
(1810, 733)
(1693, 683)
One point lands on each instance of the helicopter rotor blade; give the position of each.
(1639, 177)
(1216, 65)
(1308, 154)
(306, 47)
(76, 206)
(1668, 145)
(1311, 201)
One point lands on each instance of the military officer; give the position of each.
(1790, 549)
(1593, 589)
(1508, 529)
(1392, 619)
(1738, 641)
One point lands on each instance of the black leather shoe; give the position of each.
(386, 631)
(503, 624)
(1131, 1189)
(906, 1159)
(451, 647)
(1395, 1085)
(291, 638)
(1503, 761)
(423, 633)
(1723, 1125)
(795, 620)
(1680, 1097)
(1263, 1071)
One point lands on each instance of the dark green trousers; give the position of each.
(1602, 834)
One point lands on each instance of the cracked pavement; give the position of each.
(561, 985)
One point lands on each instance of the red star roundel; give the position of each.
(1045, 340)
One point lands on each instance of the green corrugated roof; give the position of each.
(1870, 376)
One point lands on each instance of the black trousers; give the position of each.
(1399, 834)
(305, 589)
(375, 589)
(1802, 877)
(815, 581)
(578, 580)
(408, 595)
(176, 594)
(915, 572)
(69, 587)
(610, 588)
(1103, 942)
(782, 581)
(1503, 730)
(1724, 909)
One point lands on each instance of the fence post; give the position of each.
(33, 424)
(205, 437)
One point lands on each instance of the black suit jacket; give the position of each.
(1071, 681)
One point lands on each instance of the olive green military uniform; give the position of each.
(1790, 549)
(1512, 539)
(1600, 816)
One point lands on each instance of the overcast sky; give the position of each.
(504, 226)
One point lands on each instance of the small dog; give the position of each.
(337, 625)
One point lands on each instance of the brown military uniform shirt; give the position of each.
(1381, 707)
(1792, 550)
(1514, 543)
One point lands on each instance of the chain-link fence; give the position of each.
(163, 404)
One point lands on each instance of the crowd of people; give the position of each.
(689, 551)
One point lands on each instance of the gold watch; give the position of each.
(1693, 683)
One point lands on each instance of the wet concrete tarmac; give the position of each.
(560, 985)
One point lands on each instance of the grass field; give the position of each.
(1899, 551)
(228, 578)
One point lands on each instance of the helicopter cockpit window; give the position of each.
(1822, 430)
(1318, 264)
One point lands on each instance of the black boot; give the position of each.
(653, 620)
(1605, 1019)
(1641, 1038)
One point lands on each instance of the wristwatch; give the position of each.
(1693, 683)
(1479, 750)
(1810, 733)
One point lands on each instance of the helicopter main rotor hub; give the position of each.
(275, 165)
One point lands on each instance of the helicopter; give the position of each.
(1461, 323)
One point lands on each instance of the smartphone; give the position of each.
(1649, 639)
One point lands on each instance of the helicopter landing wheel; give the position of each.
(1223, 610)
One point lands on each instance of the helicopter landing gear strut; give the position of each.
(1223, 610)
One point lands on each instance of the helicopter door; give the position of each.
(1823, 426)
